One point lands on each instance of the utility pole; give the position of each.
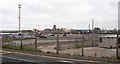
(20, 32)
(35, 39)
(82, 44)
(118, 39)
(92, 30)
(58, 46)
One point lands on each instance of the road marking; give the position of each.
(4, 52)
(64, 61)
(17, 59)
(91, 61)
(70, 59)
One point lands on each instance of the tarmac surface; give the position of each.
(11, 57)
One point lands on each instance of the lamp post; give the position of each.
(19, 6)
(20, 32)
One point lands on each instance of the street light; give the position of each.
(20, 32)
(19, 6)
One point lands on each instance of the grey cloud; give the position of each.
(75, 13)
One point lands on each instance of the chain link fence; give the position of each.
(70, 44)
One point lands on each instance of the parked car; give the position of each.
(52, 35)
(65, 34)
(43, 36)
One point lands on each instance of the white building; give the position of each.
(108, 41)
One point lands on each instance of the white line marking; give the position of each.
(18, 59)
(64, 61)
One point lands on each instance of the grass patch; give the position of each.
(77, 55)
(66, 54)
(79, 46)
(12, 47)
(0, 46)
(25, 48)
(30, 48)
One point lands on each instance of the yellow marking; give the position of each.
(52, 57)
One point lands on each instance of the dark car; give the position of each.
(64, 34)
(43, 36)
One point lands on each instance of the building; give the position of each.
(54, 27)
(108, 41)
(96, 30)
(63, 29)
(54, 30)
(48, 31)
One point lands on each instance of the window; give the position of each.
(100, 39)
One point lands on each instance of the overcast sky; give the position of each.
(72, 14)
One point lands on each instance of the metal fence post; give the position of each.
(58, 47)
(82, 43)
(35, 39)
